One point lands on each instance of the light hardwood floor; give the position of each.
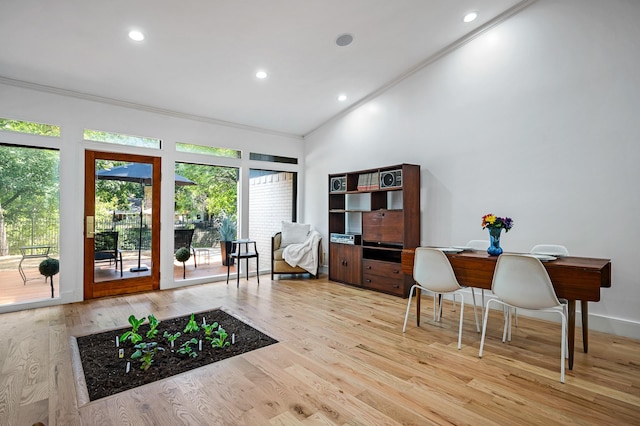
(341, 359)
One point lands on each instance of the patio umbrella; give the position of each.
(142, 174)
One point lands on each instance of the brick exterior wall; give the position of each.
(270, 202)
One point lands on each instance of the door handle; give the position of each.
(91, 229)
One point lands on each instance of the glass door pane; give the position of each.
(123, 209)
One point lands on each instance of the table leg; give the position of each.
(585, 325)
(418, 306)
(22, 274)
(571, 330)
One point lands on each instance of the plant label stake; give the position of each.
(117, 342)
(200, 345)
(120, 353)
(128, 366)
(233, 338)
(204, 321)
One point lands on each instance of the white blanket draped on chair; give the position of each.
(304, 254)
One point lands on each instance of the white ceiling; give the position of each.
(200, 56)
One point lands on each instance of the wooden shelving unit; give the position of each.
(381, 209)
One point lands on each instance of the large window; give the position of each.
(203, 207)
(29, 221)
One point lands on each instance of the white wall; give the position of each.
(536, 119)
(74, 115)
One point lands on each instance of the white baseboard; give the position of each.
(601, 323)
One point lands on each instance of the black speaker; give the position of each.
(391, 179)
(338, 184)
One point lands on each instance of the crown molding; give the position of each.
(140, 107)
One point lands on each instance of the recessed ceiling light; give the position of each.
(261, 75)
(471, 16)
(344, 40)
(136, 35)
(342, 98)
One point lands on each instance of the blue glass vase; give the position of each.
(494, 239)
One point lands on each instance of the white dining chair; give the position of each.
(550, 249)
(545, 249)
(521, 281)
(432, 272)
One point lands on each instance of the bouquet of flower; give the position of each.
(492, 221)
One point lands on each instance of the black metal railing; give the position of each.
(45, 231)
(31, 232)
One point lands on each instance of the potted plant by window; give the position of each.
(228, 232)
(49, 267)
(182, 255)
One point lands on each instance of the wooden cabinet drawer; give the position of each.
(383, 226)
(383, 276)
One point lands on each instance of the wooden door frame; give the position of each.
(129, 285)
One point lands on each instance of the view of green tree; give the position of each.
(29, 127)
(207, 150)
(121, 139)
(215, 192)
(29, 186)
(114, 195)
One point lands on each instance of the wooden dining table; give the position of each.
(573, 278)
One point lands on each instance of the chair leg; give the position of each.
(475, 309)
(258, 268)
(435, 306)
(506, 311)
(406, 315)
(228, 260)
(563, 348)
(461, 317)
(439, 316)
(484, 327)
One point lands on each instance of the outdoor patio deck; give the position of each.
(13, 290)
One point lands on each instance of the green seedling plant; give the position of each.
(145, 352)
(153, 327)
(220, 340)
(192, 325)
(171, 337)
(209, 329)
(186, 349)
(132, 334)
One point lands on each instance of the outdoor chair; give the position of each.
(182, 238)
(106, 248)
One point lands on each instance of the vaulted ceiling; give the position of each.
(200, 57)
